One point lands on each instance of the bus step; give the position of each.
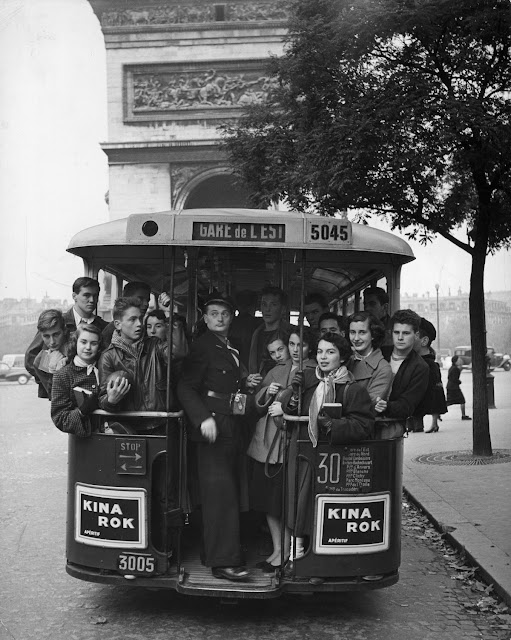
(196, 579)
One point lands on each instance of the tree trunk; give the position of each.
(480, 424)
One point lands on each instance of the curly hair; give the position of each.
(406, 316)
(376, 327)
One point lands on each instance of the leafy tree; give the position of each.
(399, 108)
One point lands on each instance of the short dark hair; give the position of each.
(156, 313)
(455, 359)
(341, 343)
(315, 296)
(279, 335)
(380, 293)
(330, 315)
(131, 287)
(83, 326)
(406, 316)
(121, 305)
(84, 281)
(376, 327)
(275, 291)
(309, 337)
(49, 319)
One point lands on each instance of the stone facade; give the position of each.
(175, 72)
(454, 317)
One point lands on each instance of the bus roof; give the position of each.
(239, 227)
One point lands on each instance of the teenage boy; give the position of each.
(134, 289)
(314, 306)
(212, 374)
(53, 355)
(330, 322)
(142, 359)
(433, 402)
(410, 372)
(85, 297)
(273, 306)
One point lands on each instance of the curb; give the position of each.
(467, 539)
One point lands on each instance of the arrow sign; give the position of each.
(135, 457)
(131, 456)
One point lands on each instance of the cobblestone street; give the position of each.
(437, 597)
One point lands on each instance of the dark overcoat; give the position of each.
(408, 387)
(221, 465)
(356, 424)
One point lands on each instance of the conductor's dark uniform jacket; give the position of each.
(211, 373)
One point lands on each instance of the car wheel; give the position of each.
(23, 379)
(506, 366)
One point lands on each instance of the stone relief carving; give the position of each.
(183, 14)
(181, 175)
(255, 12)
(192, 89)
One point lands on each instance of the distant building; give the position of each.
(26, 311)
(453, 313)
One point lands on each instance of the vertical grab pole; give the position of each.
(302, 317)
(285, 460)
(170, 258)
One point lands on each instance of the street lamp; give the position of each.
(437, 287)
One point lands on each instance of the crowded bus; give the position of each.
(234, 429)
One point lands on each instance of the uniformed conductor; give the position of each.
(211, 375)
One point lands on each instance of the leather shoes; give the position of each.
(231, 573)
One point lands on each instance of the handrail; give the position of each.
(296, 418)
(140, 414)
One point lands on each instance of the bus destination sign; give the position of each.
(239, 231)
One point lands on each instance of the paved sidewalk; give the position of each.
(471, 503)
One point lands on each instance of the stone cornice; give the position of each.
(140, 16)
(166, 151)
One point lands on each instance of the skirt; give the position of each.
(455, 396)
(265, 494)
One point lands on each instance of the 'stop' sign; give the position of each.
(239, 231)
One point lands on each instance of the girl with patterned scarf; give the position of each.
(330, 382)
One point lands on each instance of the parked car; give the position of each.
(495, 360)
(498, 360)
(14, 374)
(464, 355)
(14, 359)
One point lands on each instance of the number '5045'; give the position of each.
(327, 232)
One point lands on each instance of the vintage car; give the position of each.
(498, 360)
(495, 360)
(14, 373)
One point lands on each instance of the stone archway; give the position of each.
(215, 191)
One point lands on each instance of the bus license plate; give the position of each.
(136, 563)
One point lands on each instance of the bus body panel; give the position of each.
(356, 498)
(113, 512)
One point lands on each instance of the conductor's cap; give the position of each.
(220, 298)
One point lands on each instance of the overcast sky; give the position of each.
(54, 176)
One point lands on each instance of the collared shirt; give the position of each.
(78, 318)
